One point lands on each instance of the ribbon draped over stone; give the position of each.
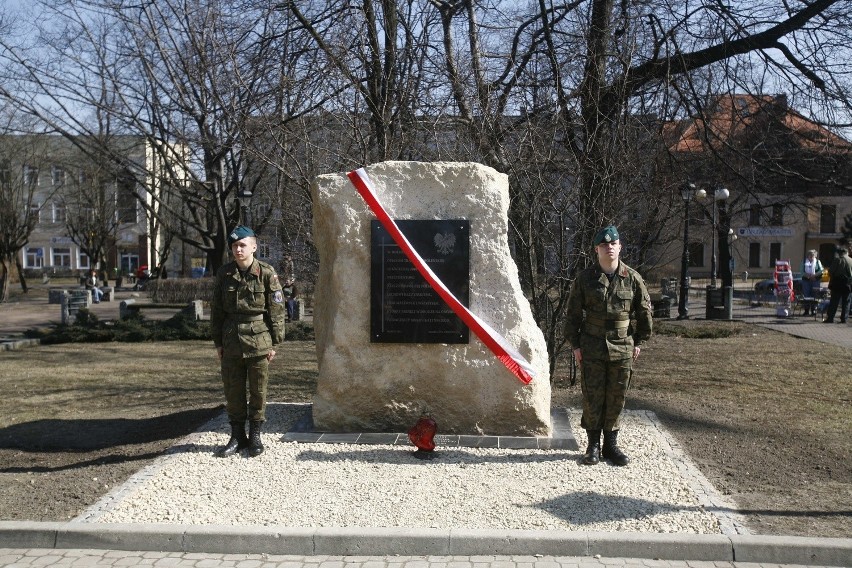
(498, 345)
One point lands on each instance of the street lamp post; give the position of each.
(687, 192)
(720, 194)
(243, 196)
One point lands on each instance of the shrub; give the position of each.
(88, 329)
(299, 331)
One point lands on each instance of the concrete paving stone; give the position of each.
(459, 564)
(547, 564)
(417, 564)
(46, 560)
(374, 563)
(612, 561)
(166, 561)
(249, 563)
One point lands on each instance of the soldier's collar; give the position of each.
(620, 271)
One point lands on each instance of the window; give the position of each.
(84, 260)
(59, 213)
(774, 253)
(35, 211)
(827, 218)
(696, 254)
(754, 255)
(754, 215)
(5, 175)
(62, 257)
(827, 253)
(34, 257)
(777, 219)
(263, 251)
(30, 176)
(125, 197)
(58, 176)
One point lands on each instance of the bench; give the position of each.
(662, 305)
(72, 302)
(109, 293)
(719, 304)
(131, 307)
(55, 295)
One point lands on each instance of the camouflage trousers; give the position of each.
(604, 384)
(239, 373)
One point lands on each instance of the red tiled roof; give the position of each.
(731, 115)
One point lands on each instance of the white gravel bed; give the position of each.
(348, 485)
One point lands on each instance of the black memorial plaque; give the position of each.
(403, 306)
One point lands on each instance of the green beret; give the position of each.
(606, 235)
(239, 233)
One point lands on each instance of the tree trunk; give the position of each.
(5, 279)
(23, 278)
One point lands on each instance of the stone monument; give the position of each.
(368, 386)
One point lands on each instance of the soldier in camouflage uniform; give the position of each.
(609, 317)
(247, 322)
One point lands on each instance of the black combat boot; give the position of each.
(255, 445)
(238, 440)
(593, 450)
(611, 450)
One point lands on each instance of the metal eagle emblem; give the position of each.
(445, 242)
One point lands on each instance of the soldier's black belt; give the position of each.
(605, 333)
(608, 323)
(245, 318)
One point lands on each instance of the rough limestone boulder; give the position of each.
(381, 387)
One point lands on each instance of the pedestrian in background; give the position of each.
(603, 301)
(247, 322)
(840, 284)
(812, 270)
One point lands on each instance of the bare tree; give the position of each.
(19, 205)
(190, 76)
(379, 49)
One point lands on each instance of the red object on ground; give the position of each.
(422, 433)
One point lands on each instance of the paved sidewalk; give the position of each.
(807, 327)
(116, 558)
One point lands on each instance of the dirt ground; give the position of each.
(764, 415)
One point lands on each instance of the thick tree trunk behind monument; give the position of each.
(386, 387)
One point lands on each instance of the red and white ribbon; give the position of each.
(513, 360)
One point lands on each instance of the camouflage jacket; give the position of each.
(247, 312)
(607, 319)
